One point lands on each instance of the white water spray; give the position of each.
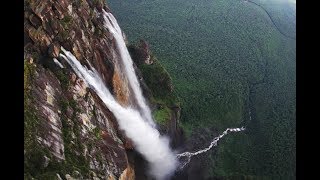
(112, 25)
(138, 126)
(146, 139)
(213, 143)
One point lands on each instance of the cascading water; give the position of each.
(213, 143)
(138, 123)
(112, 25)
(146, 139)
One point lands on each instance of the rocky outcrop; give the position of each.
(157, 87)
(68, 131)
(141, 53)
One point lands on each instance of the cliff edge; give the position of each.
(69, 133)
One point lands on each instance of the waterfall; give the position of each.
(146, 139)
(213, 143)
(137, 123)
(112, 25)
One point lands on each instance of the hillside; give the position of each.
(232, 63)
(86, 103)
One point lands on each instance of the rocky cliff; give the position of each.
(69, 133)
(159, 89)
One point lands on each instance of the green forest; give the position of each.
(232, 63)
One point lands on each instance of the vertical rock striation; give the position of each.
(68, 131)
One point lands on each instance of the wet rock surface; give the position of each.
(73, 123)
(76, 136)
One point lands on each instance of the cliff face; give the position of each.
(158, 88)
(69, 133)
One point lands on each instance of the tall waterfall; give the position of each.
(137, 123)
(146, 139)
(112, 25)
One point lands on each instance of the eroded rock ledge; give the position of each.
(69, 133)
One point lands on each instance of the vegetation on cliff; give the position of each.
(39, 163)
(159, 82)
(227, 59)
(67, 132)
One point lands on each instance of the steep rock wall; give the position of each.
(157, 86)
(69, 133)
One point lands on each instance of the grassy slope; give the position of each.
(214, 50)
(160, 84)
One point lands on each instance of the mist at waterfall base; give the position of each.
(137, 123)
(146, 139)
